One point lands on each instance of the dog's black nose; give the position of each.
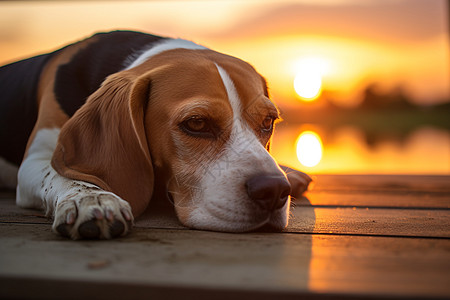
(269, 191)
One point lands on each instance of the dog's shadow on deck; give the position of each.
(296, 253)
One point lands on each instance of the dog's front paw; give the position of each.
(299, 181)
(92, 215)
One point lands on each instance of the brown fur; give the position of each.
(131, 122)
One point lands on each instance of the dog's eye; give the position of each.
(197, 126)
(267, 124)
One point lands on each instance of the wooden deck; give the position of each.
(351, 237)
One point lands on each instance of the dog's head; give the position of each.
(198, 120)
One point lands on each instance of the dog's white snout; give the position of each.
(269, 191)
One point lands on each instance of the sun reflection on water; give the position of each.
(309, 149)
(346, 150)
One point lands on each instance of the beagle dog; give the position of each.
(99, 125)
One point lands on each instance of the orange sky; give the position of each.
(391, 42)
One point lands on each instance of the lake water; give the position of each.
(349, 150)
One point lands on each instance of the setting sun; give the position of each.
(308, 78)
(308, 85)
(309, 149)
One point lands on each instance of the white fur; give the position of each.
(222, 201)
(164, 45)
(68, 201)
(8, 174)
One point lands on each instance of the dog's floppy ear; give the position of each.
(105, 142)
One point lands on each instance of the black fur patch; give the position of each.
(83, 75)
(18, 105)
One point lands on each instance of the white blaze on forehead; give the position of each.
(242, 137)
(233, 96)
(165, 45)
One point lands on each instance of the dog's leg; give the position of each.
(80, 209)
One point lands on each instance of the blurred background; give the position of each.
(363, 85)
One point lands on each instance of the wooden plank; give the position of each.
(340, 220)
(283, 266)
(383, 222)
(10, 212)
(382, 183)
(374, 200)
(343, 221)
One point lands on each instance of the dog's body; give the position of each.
(98, 122)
